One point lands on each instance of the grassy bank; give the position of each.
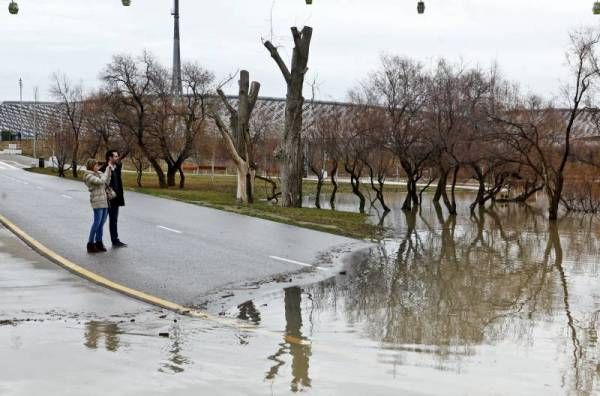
(219, 193)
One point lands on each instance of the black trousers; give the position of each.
(113, 218)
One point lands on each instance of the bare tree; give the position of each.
(540, 134)
(61, 140)
(399, 90)
(237, 135)
(129, 83)
(177, 122)
(71, 99)
(353, 147)
(292, 148)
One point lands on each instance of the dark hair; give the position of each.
(110, 153)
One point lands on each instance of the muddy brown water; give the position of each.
(496, 302)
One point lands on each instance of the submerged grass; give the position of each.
(219, 192)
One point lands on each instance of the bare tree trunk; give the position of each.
(181, 177)
(319, 174)
(162, 181)
(239, 130)
(293, 161)
(441, 186)
(451, 203)
(171, 172)
(407, 204)
(554, 196)
(355, 183)
(245, 183)
(334, 183)
(378, 190)
(479, 199)
(74, 168)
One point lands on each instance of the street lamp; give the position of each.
(126, 3)
(421, 7)
(13, 8)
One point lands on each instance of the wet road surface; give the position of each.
(177, 251)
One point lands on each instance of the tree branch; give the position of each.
(230, 108)
(275, 55)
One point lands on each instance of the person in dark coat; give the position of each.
(116, 183)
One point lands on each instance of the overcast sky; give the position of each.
(527, 38)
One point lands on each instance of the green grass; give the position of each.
(219, 193)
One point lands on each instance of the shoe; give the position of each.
(119, 244)
(91, 248)
(100, 247)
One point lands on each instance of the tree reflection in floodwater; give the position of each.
(96, 330)
(447, 285)
(294, 343)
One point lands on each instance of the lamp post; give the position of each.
(421, 7)
(176, 85)
(35, 98)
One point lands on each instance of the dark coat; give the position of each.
(116, 183)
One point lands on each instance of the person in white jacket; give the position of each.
(96, 183)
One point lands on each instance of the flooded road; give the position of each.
(496, 303)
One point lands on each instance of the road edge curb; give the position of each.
(78, 270)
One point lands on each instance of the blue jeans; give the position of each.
(98, 225)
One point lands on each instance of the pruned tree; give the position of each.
(291, 153)
(237, 136)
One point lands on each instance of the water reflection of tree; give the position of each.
(176, 360)
(95, 330)
(248, 311)
(443, 287)
(294, 343)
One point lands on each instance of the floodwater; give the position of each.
(496, 303)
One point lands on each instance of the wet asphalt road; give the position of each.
(177, 251)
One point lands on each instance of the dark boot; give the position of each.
(91, 248)
(100, 247)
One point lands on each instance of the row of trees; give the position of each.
(436, 125)
(136, 111)
(457, 122)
